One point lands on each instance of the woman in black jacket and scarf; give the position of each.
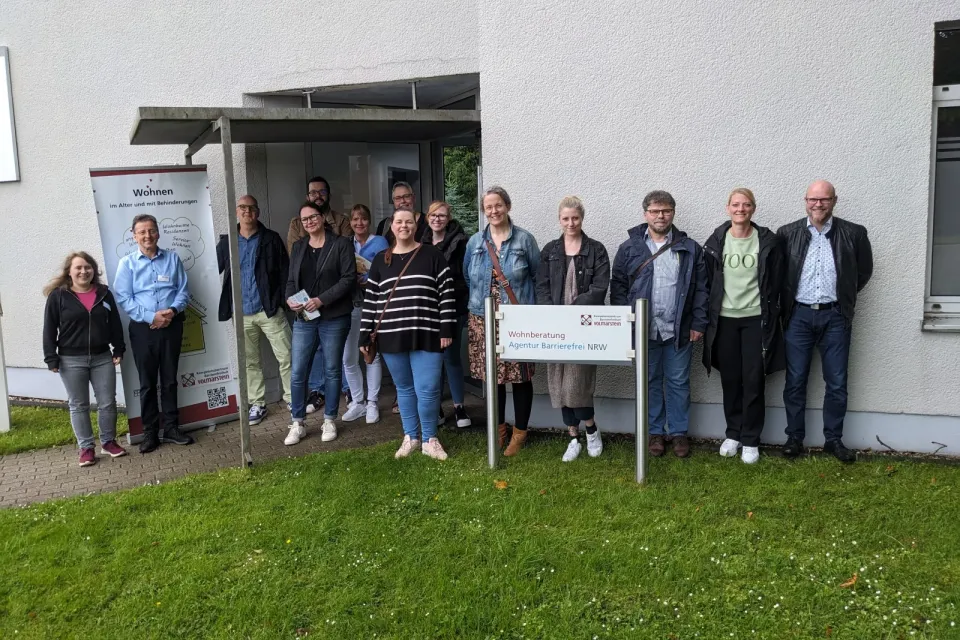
(574, 269)
(743, 339)
(80, 325)
(448, 236)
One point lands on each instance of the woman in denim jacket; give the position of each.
(519, 258)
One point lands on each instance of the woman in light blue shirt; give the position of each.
(366, 246)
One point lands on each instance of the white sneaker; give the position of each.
(729, 448)
(354, 411)
(407, 447)
(573, 450)
(328, 431)
(750, 454)
(373, 412)
(434, 449)
(594, 444)
(296, 433)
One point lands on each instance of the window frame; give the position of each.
(941, 313)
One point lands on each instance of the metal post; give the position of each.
(641, 329)
(226, 141)
(490, 342)
(413, 93)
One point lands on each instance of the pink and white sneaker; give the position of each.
(434, 449)
(408, 446)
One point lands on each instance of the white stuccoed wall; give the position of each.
(80, 71)
(611, 100)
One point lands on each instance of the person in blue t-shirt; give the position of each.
(366, 246)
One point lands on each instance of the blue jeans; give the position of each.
(331, 334)
(78, 373)
(317, 381)
(668, 380)
(417, 376)
(452, 362)
(826, 330)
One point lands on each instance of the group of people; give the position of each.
(761, 301)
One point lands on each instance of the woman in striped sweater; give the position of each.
(410, 306)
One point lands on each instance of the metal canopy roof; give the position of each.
(185, 125)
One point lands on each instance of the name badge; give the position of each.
(163, 278)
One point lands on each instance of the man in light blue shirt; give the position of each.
(151, 287)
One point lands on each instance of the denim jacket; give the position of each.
(519, 257)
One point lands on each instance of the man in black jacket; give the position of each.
(263, 275)
(828, 261)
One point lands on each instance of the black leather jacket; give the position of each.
(593, 273)
(852, 257)
(770, 273)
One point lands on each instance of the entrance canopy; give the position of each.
(190, 125)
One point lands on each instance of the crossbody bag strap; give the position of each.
(394, 288)
(498, 274)
(664, 248)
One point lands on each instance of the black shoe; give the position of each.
(150, 442)
(839, 451)
(173, 435)
(463, 420)
(793, 448)
(315, 402)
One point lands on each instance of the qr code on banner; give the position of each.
(217, 398)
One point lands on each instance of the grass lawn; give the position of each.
(358, 545)
(41, 427)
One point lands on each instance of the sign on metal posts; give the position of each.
(568, 334)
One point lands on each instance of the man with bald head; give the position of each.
(263, 277)
(829, 260)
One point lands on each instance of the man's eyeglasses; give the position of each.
(318, 192)
(314, 218)
(657, 213)
(820, 200)
(402, 197)
(247, 207)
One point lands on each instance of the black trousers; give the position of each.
(522, 403)
(156, 353)
(739, 358)
(573, 415)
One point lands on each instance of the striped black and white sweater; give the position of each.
(423, 309)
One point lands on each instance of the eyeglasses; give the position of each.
(820, 200)
(311, 219)
(318, 192)
(247, 207)
(146, 232)
(657, 213)
(438, 216)
(402, 197)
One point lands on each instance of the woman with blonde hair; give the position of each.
(743, 338)
(501, 262)
(448, 237)
(83, 342)
(574, 270)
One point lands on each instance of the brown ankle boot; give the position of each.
(516, 442)
(503, 430)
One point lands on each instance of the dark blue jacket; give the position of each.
(270, 270)
(692, 293)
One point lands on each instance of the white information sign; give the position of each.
(179, 198)
(574, 334)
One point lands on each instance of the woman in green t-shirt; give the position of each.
(744, 338)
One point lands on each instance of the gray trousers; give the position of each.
(78, 373)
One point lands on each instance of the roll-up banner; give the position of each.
(179, 198)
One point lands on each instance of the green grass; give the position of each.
(42, 427)
(358, 545)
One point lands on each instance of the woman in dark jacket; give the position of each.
(80, 325)
(743, 339)
(574, 269)
(323, 270)
(448, 236)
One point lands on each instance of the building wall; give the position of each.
(605, 100)
(610, 100)
(80, 71)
